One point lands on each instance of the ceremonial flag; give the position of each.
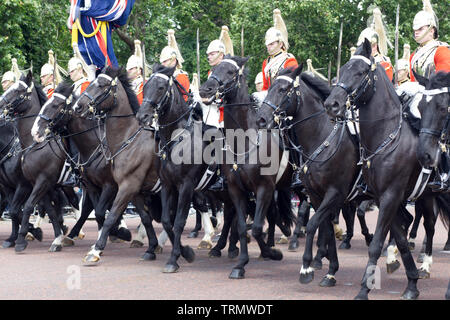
(91, 22)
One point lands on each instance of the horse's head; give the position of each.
(157, 92)
(224, 78)
(55, 113)
(355, 78)
(17, 99)
(435, 111)
(281, 99)
(101, 95)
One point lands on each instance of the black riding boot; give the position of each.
(441, 180)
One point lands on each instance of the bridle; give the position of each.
(443, 134)
(229, 85)
(354, 96)
(158, 106)
(94, 102)
(10, 107)
(52, 123)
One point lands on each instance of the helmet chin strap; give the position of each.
(424, 34)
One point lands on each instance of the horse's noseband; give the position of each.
(11, 106)
(53, 122)
(96, 101)
(157, 106)
(229, 85)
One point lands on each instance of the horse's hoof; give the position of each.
(411, 246)
(114, 239)
(8, 244)
(20, 247)
(293, 246)
(148, 256)
(317, 264)
(392, 267)
(345, 245)
(306, 277)
(276, 254)
(171, 268)
(361, 296)
(204, 245)
(80, 236)
(232, 254)
(91, 260)
(55, 248)
(447, 247)
(193, 234)
(328, 281)
(420, 258)
(282, 240)
(188, 254)
(369, 239)
(424, 274)
(67, 242)
(410, 294)
(158, 249)
(136, 244)
(237, 273)
(124, 234)
(214, 253)
(29, 237)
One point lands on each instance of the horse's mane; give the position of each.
(41, 94)
(159, 68)
(439, 80)
(319, 86)
(123, 78)
(65, 88)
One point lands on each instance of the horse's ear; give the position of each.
(422, 80)
(29, 77)
(367, 48)
(297, 71)
(242, 60)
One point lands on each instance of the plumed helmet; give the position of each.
(15, 68)
(278, 32)
(352, 51)
(426, 17)
(135, 61)
(194, 86)
(9, 76)
(313, 71)
(376, 32)
(74, 63)
(259, 78)
(226, 40)
(216, 45)
(403, 63)
(171, 50)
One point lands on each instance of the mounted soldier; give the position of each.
(135, 71)
(10, 77)
(403, 66)
(376, 34)
(50, 78)
(429, 58)
(171, 57)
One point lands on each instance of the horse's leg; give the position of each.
(198, 225)
(447, 294)
(86, 209)
(388, 208)
(339, 233)
(330, 280)
(414, 229)
(228, 214)
(146, 220)
(361, 214)
(326, 209)
(184, 201)
(54, 211)
(321, 246)
(22, 192)
(206, 243)
(348, 212)
(425, 205)
(411, 292)
(447, 244)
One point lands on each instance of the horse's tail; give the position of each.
(286, 214)
(443, 202)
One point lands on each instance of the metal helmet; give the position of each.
(74, 63)
(9, 76)
(426, 17)
(278, 32)
(403, 63)
(216, 45)
(226, 40)
(46, 70)
(135, 61)
(171, 50)
(376, 32)
(259, 78)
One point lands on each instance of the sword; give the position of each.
(54, 71)
(198, 56)
(242, 42)
(143, 62)
(339, 51)
(396, 45)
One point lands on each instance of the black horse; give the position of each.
(435, 132)
(42, 164)
(390, 165)
(129, 148)
(329, 166)
(99, 188)
(228, 81)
